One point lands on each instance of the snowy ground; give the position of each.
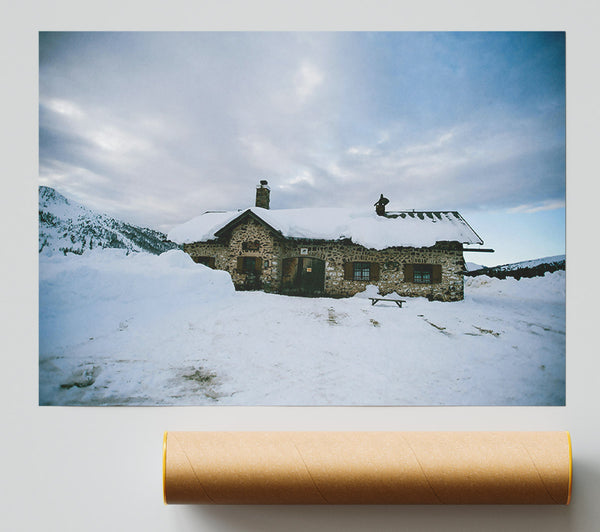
(148, 330)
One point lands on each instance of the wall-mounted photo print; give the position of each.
(345, 218)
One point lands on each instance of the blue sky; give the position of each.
(155, 128)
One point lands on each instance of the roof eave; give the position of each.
(479, 239)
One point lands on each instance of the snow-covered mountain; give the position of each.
(68, 227)
(528, 268)
(472, 266)
(558, 260)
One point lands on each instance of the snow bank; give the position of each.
(156, 330)
(363, 227)
(85, 295)
(370, 291)
(549, 287)
(112, 274)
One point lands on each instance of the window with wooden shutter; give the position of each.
(348, 271)
(374, 271)
(361, 271)
(422, 273)
(408, 273)
(258, 264)
(436, 274)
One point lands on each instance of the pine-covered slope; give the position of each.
(529, 268)
(68, 227)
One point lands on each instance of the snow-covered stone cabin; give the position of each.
(332, 252)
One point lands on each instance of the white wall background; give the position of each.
(98, 469)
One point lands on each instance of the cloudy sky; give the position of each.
(155, 128)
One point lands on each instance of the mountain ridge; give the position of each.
(66, 226)
(527, 268)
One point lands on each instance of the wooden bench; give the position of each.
(397, 301)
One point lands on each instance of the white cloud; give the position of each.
(304, 177)
(360, 151)
(548, 205)
(114, 140)
(320, 116)
(64, 108)
(265, 154)
(440, 140)
(307, 79)
(384, 137)
(76, 182)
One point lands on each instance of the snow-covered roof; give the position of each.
(409, 228)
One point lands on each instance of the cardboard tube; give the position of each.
(367, 468)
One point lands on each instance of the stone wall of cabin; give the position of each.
(272, 250)
(249, 239)
(391, 268)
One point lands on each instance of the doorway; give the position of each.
(303, 276)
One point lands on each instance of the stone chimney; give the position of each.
(263, 193)
(380, 205)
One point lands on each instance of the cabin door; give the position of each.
(303, 276)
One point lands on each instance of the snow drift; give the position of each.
(141, 329)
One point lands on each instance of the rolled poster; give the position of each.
(367, 468)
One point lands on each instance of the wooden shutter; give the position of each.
(374, 271)
(436, 273)
(408, 273)
(240, 264)
(258, 265)
(348, 271)
(211, 262)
